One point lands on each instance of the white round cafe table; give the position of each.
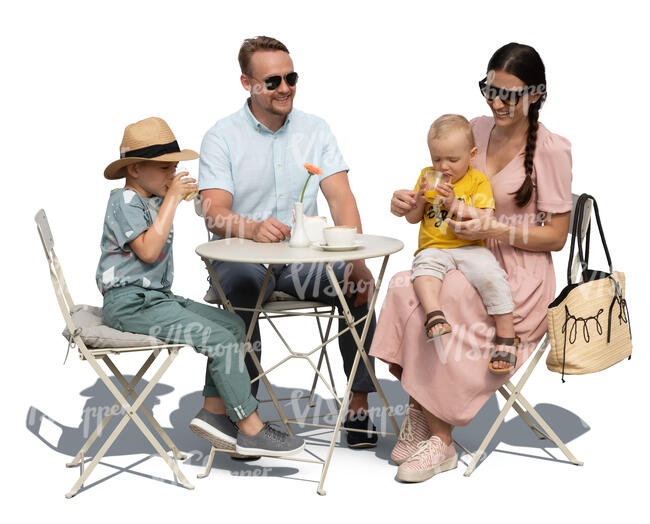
(248, 251)
(244, 250)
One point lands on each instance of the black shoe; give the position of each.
(361, 439)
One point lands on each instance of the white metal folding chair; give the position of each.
(282, 305)
(93, 355)
(513, 394)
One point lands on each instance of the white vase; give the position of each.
(299, 236)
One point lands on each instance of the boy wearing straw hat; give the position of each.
(135, 274)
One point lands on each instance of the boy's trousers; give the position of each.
(216, 333)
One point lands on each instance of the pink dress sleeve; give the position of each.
(552, 164)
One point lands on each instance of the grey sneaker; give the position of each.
(218, 430)
(270, 442)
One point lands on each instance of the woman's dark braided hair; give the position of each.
(525, 63)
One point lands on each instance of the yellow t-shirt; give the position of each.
(473, 189)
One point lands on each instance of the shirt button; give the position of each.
(275, 138)
(278, 165)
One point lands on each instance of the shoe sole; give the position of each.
(268, 452)
(212, 435)
(420, 476)
(362, 445)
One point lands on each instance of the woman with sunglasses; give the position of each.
(530, 172)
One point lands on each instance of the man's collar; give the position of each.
(257, 124)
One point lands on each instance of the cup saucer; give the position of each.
(355, 245)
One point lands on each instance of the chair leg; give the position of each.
(208, 466)
(130, 414)
(522, 413)
(551, 434)
(178, 455)
(114, 409)
(323, 353)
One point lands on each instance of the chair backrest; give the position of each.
(198, 209)
(56, 273)
(575, 266)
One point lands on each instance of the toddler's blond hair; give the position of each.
(443, 125)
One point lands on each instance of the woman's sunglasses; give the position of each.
(273, 82)
(508, 97)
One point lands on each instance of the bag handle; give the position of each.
(578, 211)
(577, 227)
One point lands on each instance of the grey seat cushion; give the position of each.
(211, 297)
(96, 334)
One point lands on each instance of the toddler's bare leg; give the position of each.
(427, 289)
(505, 328)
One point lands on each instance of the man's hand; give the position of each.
(270, 230)
(364, 283)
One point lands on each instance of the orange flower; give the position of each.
(314, 170)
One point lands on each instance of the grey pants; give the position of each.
(478, 265)
(242, 283)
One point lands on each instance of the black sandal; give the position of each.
(439, 320)
(504, 356)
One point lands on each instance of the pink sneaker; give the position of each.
(414, 430)
(432, 456)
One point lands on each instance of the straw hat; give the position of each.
(148, 139)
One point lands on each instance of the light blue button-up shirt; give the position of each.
(264, 170)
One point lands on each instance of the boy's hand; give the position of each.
(181, 186)
(446, 195)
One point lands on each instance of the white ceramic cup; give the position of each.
(342, 236)
(314, 226)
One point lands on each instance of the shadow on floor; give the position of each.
(131, 441)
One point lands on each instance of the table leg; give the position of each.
(256, 313)
(361, 354)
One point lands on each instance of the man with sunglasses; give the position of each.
(251, 172)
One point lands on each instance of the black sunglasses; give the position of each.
(273, 82)
(508, 97)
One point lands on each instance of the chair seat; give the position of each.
(97, 335)
(278, 301)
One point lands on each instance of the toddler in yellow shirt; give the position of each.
(465, 195)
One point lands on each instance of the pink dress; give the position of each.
(449, 375)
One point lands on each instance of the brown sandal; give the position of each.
(440, 320)
(504, 356)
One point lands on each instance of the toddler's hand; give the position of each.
(181, 185)
(419, 196)
(446, 194)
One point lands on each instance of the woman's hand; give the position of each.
(402, 202)
(480, 228)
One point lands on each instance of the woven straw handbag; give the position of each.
(588, 323)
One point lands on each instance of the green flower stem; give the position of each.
(302, 195)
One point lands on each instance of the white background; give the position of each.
(74, 74)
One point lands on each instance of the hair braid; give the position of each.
(525, 63)
(525, 191)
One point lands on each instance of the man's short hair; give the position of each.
(259, 43)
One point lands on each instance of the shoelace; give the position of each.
(429, 446)
(274, 434)
(406, 432)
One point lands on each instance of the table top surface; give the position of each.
(244, 250)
